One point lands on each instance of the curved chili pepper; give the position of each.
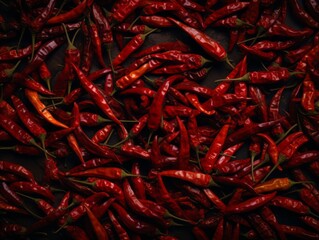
(72, 14)
(272, 147)
(303, 15)
(208, 162)
(196, 178)
(290, 204)
(102, 24)
(310, 221)
(103, 172)
(17, 170)
(122, 233)
(274, 184)
(225, 11)
(250, 204)
(97, 96)
(33, 97)
(262, 227)
(309, 198)
(132, 223)
(98, 228)
(155, 114)
(213, 48)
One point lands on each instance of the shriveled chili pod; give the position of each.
(211, 47)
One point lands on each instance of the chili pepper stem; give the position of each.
(254, 38)
(281, 159)
(108, 138)
(4, 4)
(149, 139)
(33, 44)
(243, 78)
(10, 71)
(26, 208)
(42, 140)
(313, 214)
(118, 143)
(61, 7)
(60, 228)
(259, 33)
(229, 62)
(286, 133)
(109, 54)
(82, 182)
(28, 197)
(135, 20)
(20, 38)
(174, 224)
(252, 159)
(169, 215)
(41, 148)
(113, 92)
(197, 155)
(56, 189)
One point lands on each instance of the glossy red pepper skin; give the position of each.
(72, 14)
(132, 223)
(224, 11)
(213, 48)
(250, 204)
(215, 148)
(154, 120)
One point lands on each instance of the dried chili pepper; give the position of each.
(213, 48)
(250, 204)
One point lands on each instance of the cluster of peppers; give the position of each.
(133, 141)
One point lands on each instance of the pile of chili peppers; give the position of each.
(109, 129)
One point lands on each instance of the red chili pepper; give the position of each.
(215, 148)
(308, 98)
(65, 78)
(184, 148)
(96, 42)
(309, 198)
(311, 7)
(76, 232)
(111, 173)
(213, 48)
(98, 228)
(97, 97)
(122, 233)
(33, 97)
(225, 11)
(134, 75)
(122, 10)
(12, 230)
(302, 15)
(262, 227)
(196, 178)
(72, 14)
(17, 170)
(290, 204)
(250, 204)
(28, 187)
(132, 223)
(155, 114)
(102, 24)
(299, 232)
(80, 210)
(135, 43)
(310, 221)
(219, 232)
(215, 199)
